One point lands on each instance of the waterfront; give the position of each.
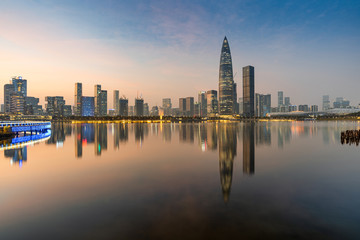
(183, 181)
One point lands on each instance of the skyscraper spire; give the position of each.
(226, 81)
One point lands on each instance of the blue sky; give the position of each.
(172, 48)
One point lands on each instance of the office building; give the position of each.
(103, 103)
(326, 103)
(190, 106)
(304, 108)
(17, 103)
(248, 91)
(78, 97)
(20, 85)
(146, 109)
(123, 106)
(55, 106)
(32, 106)
(202, 107)
(241, 106)
(287, 101)
(262, 105)
(116, 102)
(182, 106)
(8, 90)
(212, 102)
(139, 107)
(280, 99)
(226, 81)
(292, 108)
(97, 99)
(166, 104)
(314, 108)
(88, 106)
(235, 102)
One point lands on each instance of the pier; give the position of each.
(14, 128)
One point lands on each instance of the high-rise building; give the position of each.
(235, 103)
(287, 101)
(139, 107)
(116, 102)
(146, 109)
(8, 90)
(190, 106)
(326, 103)
(88, 106)
(32, 106)
(20, 85)
(212, 102)
(97, 99)
(248, 91)
(78, 97)
(131, 111)
(55, 106)
(202, 101)
(123, 106)
(103, 103)
(314, 108)
(241, 106)
(17, 103)
(304, 108)
(166, 104)
(263, 105)
(226, 81)
(280, 99)
(182, 106)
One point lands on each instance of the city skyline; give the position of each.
(162, 53)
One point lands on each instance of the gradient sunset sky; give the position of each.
(172, 48)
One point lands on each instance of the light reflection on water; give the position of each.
(269, 176)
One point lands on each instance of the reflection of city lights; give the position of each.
(20, 163)
(11, 162)
(59, 144)
(84, 142)
(203, 146)
(99, 147)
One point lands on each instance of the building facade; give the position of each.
(139, 107)
(78, 98)
(88, 106)
(226, 81)
(116, 102)
(248, 91)
(123, 107)
(212, 102)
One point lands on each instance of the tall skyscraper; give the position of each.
(78, 98)
(190, 106)
(166, 104)
(103, 103)
(287, 102)
(8, 91)
(182, 106)
(226, 81)
(326, 103)
(97, 98)
(88, 106)
(248, 91)
(116, 102)
(280, 99)
(202, 103)
(212, 102)
(20, 85)
(139, 107)
(262, 104)
(123, 106)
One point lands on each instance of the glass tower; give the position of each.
(226, 81)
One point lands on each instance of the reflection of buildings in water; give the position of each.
(202, 136)
(211, 136)
(139, 132)
(186, 132)
(59, 131)
(100, 138)
(284, 134)
(248, 148)
(120, 134)
(84, 134)
(18, 155)
(263, 134)
(227, 153)
(166, 130)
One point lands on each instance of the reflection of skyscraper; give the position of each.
(226, 81)
(167, 132)
(100, 138)
(212, 136)
(18, 155)
(78, 141)
(248, 148)
(227, 153)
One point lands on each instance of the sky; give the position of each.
(160, 49)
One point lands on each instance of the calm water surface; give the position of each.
(265, 180)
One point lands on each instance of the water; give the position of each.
(265, 180)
